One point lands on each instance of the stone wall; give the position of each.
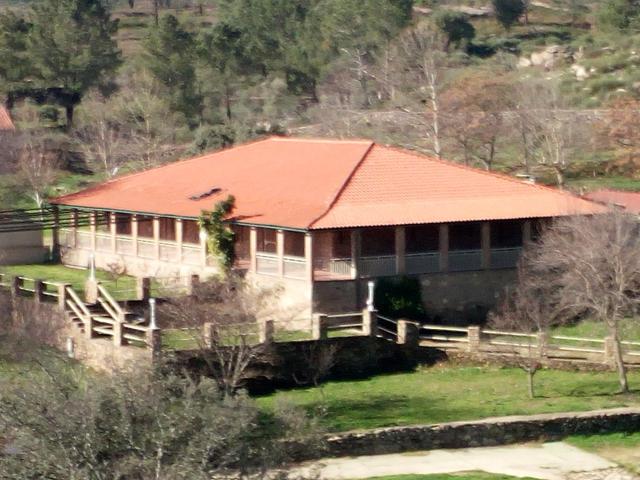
(22, 247)
(454, 297)
(481, 433)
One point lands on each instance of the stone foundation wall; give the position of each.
(454, 297)
(22, 247)
(482, 433)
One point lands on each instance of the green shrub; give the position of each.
(399, 298)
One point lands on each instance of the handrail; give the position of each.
(576, 339)
(443, 328)
(74, 296)
(107, 296)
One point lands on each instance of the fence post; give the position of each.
(154, 341)
(62, 295)
(38, 290)
(91, 290)
(266, 330)
(143, 288)
(318, 326)
(88, 327)
(117, 332)
(16, 285)
(609, 351)
(193, 281)
(208, 334)
(473, 336)
(408, 333)
(369, 323)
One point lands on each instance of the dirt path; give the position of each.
(549, 461)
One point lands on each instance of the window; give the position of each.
(102, 221)
(506, 234)
(145, 226)
(341, 243)
(123, 224)
(465, 236)
(294, 244)
(422, 238)
(241, 241)
(168, 229)
(267, 240)
(378, 241)
(190, 231)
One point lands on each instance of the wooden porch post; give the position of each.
(203, 247)
(526, 232)
(401, 261)
(134, 235)
(74, 227)
(156, 237)
(55, 232)
(356, 247)
(485, 243)
(443, 239)
(92, 229)
(179, 233)
(280, 251)
(308, 254)
(114, 231)
(253, 248)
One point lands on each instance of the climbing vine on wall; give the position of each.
(220, 237)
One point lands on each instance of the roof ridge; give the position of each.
(490, 173)
(166, 165)
(280, 138)
(342, 187)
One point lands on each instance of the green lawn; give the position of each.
(448, 393)
(450, 476)
(122, 288)
(630, 329)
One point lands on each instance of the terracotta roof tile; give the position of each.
(5, 120)
(316, 184)
(630, 201)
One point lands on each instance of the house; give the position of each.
(630, 201)
(320, 218)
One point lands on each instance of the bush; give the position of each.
(508, 11)
(400, 298)
(212, 137)
(456, 26)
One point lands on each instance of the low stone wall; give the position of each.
(480, 433)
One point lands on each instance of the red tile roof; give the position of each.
(316, 184)
(630, 201)
(5, 120)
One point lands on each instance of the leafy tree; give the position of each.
(509, 11)
(63, 49)
(456, 26)
(620, 14)
(170, 54)
(212, 137)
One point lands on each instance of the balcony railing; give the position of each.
(428, 262)
(505, 257)
(380, 266)
(267, 263)
(295, 267)
(465, 260)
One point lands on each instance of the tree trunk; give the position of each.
(622, 370)
(530, 373)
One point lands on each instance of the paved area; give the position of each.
(549, 461)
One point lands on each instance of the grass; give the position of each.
(450, 476)
(449, 393)
(622, 448)
(122, 289)
(630, 329)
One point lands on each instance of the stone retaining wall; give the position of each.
(481, 433)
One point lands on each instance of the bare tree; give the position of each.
(592, 264)
(421, 52)
(222, 317)
(38, 164)
(556, 134)
(531, 309)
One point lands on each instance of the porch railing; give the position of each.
(422, 262)
(267, 263)
(465, 260)
(505, 257)
(380, 266)
(295, 267)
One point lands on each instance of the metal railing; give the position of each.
(427, 262)
(294, 267)
(379, 266)
(465, 260)
(267, 263)
(505, 257)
